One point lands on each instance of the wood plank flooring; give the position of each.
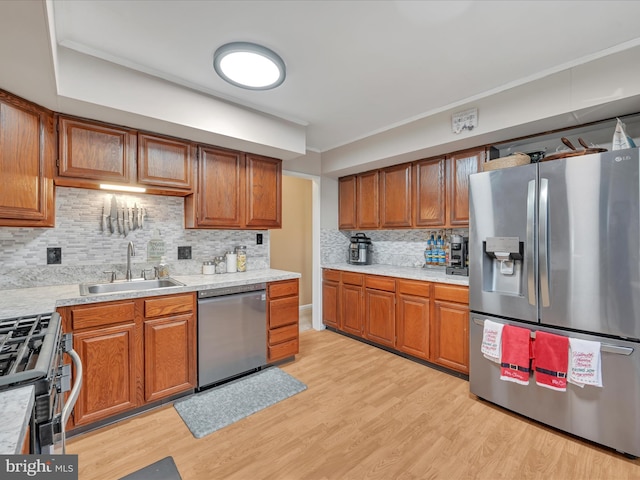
(367, 414)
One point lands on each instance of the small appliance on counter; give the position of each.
(458, 258)
(360, 250)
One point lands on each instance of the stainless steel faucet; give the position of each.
(131, 252)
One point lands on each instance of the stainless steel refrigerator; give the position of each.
(555, 247)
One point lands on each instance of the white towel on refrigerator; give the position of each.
(492, 340)
(584, 363)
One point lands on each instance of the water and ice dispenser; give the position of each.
(502, 268)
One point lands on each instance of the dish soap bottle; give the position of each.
(162, 270)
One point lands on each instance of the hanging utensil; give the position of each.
(125, 230)
(135, 216)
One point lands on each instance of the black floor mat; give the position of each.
(164, 469)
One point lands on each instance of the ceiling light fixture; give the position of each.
(247, 65)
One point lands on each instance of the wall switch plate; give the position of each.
(184, 253)
(54, 256)
(258, 239)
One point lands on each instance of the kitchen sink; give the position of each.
(128, 285)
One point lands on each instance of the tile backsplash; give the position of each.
(87, 251)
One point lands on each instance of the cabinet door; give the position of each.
(450, 336)
(367, 200)
(395, 196)
(351, 309)
(380, 317)
(169, 356)
(94, 153)
(347, 215)
(165, 163)
(460, 166)
(330, 303)
(413, 325)
(429, 193)
(220, 202)
(27, 156)
(110, 368)
(264, 192)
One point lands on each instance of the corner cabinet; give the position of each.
(282, 319)
(235, 190)
(134, 352)
(27, 157)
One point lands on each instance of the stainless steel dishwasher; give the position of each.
(232, 332)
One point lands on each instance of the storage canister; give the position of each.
(208, 268)
(241, 252)
(232, 262)
(220, 264)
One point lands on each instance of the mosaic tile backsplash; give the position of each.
(87, 251)
(401, 248)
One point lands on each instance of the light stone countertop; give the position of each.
(411, 273)
(16, 406)
(36, 300)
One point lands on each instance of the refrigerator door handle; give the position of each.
(529, 244)
(543, 242)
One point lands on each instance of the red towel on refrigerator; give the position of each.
(516, 354)
(551, 360)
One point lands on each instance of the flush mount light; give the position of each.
(247, 65)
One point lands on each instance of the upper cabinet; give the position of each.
(235, 190)
(92, 153)
(430, 193)
(27, 155)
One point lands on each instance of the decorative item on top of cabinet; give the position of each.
(166, 163)
(450, 327)
(282, 319)
(395, 196)
(347, 212)
(429, 192)
(92, 153)
(27, 156)
(380, 310)
(460, 165)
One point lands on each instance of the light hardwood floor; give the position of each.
(367, 414)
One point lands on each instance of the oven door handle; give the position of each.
(73, 395)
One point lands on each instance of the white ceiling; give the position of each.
(354, 68)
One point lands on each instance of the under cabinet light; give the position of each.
(122, 188)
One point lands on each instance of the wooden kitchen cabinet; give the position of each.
(169, 340)
(27, 156)
(396, 196)
(429, 192)
(351, 303)
(133, 352)
(282, 319)
(460, 166)
(330, 298)
(235, 190)
(450, 327)
(367, 200)
(380, 310)
(165, 163)
(413, 317)
(92, 153)
(347, 212)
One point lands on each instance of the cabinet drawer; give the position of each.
(283, 334)
(283, 311)
(163, 306)
(352, 278)
(283, 289)
(380, 283)
(283, 350)
(102, 315)
(418, 289)
(332, 275)
(451, 293)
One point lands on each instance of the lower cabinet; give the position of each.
(282, 319)
(423, 319)
(133, 352)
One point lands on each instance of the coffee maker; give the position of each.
(458, 256)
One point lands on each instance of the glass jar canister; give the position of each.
(241, 252)
(208, 268)
(220, 264)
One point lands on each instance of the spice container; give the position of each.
(220, 264)
(208, 268)
(241, 253)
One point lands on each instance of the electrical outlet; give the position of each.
(258, 239)
(184, 253)
(54, 256)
